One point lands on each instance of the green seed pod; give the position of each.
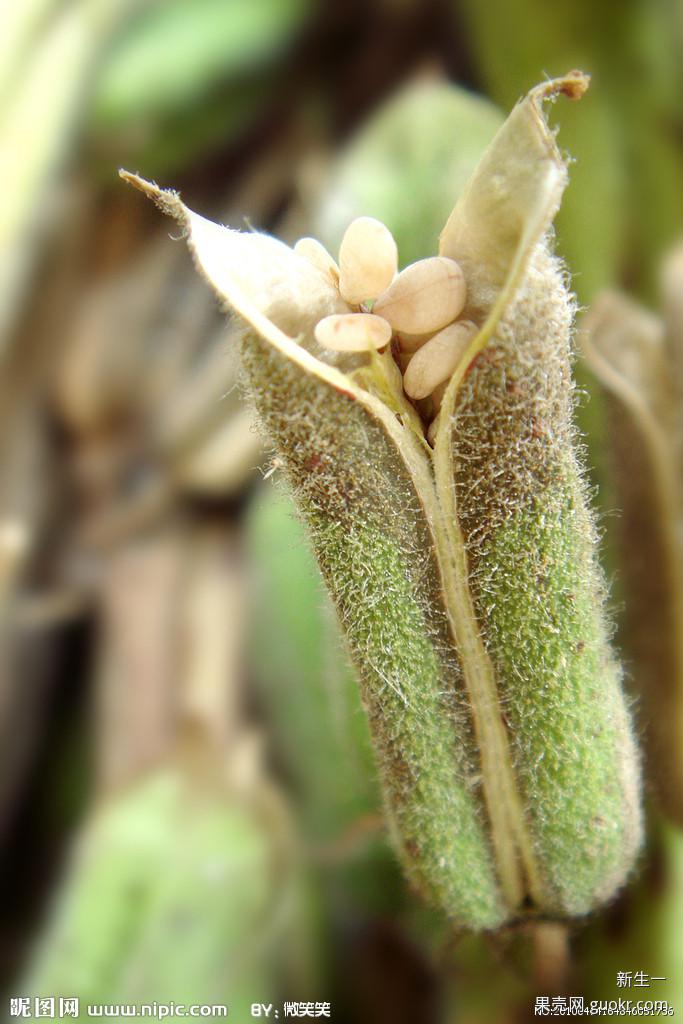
(518, 511)
(464, 574)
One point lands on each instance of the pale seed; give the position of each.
(425, 297)
(368, 260)
(316, 254)
(353, 332)
(436, 361)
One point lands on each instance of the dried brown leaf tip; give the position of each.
(423, 420)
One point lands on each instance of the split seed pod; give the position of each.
(465, 576)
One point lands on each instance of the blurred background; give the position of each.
(188, 804)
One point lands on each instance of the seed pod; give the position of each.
(316, 253)
(368, 260)
(436, 361)
(465, 578)
(636, 357)
(424, 297)
(516, 503)
(353, 332)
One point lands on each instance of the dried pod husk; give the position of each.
(283, 286)
(636, 358)
(465, 577)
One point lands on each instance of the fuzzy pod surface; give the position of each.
(463, 571)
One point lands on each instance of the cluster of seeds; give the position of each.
(416, 311)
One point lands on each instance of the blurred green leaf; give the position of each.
(643, 933)
(188, 77)
(182, 137)
(171, 896)
(176, 52)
